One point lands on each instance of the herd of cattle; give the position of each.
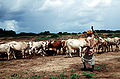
(60, 46)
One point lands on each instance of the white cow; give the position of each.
(19, 46)
(5, 48)
(80, 44)
(37, 47)
(100, 43)
(113, 41)
(73, 44)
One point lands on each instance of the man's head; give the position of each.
(89, 33)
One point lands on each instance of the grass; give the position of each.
(89, 75)
(54, 75)
(74, 75)
(41, 39)
(101, 67)
(46, 38)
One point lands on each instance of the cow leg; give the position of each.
(70, 54)
(44, 53)
(34, 51)
(106, 50)
(41, 52)
(70, 51)
(13, 53)
(103, 49)
(112, 48)
(80, 51)
(96, 49)
(23, 55)
(64, 50)
(109, 48)
(59, 51)
(8, 53)
(117, 48)
(66, 53)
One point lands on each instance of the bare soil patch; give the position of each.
(60, 63)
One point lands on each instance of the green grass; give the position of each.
(89, 75)
(75, 75)
(54, 75)
(101, 67)
(46, 38)
(41, 39)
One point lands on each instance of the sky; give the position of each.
(59, 15)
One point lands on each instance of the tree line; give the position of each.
(7, 33)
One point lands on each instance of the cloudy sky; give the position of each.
(59, 15)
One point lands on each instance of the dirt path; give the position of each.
(59, 63)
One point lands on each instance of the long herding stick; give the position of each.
(95, 32)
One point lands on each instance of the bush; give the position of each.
(101, 67)
(54, 36)
(74, 75)
(89, 75)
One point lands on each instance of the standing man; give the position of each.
(88, 55)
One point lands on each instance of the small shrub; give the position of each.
(63, 75)
(35, 76)
(54, 36)
(74, 75)
(53, 77)
(41, 39)
(101, 67)
(89, 75)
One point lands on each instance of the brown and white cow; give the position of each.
(55, 45)
(37, 47)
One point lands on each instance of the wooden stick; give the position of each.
(95, 32)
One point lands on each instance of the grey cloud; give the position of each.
(60, 15)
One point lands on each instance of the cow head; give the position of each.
(101, 40)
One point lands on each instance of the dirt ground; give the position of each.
(62, 63)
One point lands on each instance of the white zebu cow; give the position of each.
(19, 46)
(37, 47)
(113, 41)
(73, 44)
(5, 48)
(99, 43)
(80, 44)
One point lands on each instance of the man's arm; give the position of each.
(94, 32)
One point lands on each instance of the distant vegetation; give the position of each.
(11, 33)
